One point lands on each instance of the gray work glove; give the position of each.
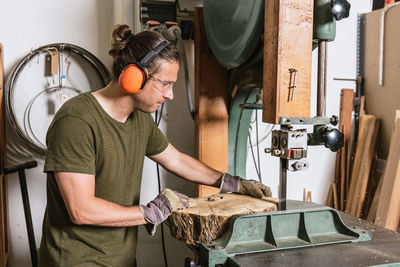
(236, 184)
(158, 210)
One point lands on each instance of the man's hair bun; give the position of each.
(121, 35)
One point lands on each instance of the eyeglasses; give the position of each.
(164, 85)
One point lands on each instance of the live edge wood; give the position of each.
(211, 92)
(287, 44)
(207, 218)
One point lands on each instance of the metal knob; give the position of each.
(334, 140)
(340, 9)
(334, 120)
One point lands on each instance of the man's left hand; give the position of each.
(236, 184)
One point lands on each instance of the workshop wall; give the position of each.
(26, 25)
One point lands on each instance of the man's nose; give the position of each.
(169, 94)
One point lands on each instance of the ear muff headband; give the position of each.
(134, 75)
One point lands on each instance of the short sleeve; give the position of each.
(70, 146)
(157, 142)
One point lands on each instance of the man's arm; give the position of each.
(78, 189)
(196, 171)
(187, 167)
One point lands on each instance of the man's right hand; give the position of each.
(158, 210)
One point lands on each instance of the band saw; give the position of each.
(299, 233)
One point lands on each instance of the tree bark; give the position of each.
(207, 218)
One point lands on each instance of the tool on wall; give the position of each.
(61, 62)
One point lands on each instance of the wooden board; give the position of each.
(4, 226)
(345, 114)
(374, 205)
(287, 44)
(368, 156)
(207, 218)
(388, 208)
(211, 93)
(345, 118)
(366, 132)
(382, 100)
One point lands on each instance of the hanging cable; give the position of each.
(157, 119)
(24, 130)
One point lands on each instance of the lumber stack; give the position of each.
(207, 218)
(365, 192)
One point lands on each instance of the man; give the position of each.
(96, 146)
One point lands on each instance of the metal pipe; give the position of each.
(28, 217)
(321, 82)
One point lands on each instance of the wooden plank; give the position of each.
(366, 166)
(4, 225)
(388, 210)
(212, 214)
(211, 91)
(374, 205)
(309, 199)
(330, 196)
(335, 198)
(345, 113)
(343, 157)
(287, 44)
(345, 119)
(381, 100)
(367, 123)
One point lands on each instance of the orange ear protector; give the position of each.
(134, 75)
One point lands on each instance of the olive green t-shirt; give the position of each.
(83, 138)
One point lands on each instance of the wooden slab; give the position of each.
(211, 94)
(388, 208)
(287, 45)
(207, 218)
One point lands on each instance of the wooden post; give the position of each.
(211, 92)
(4, 226)
(287, 45)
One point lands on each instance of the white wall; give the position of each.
(28, 24)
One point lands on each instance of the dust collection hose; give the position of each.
(33, 143)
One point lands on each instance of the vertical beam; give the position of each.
(4, 228)
(211, 91)
(287, 45)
